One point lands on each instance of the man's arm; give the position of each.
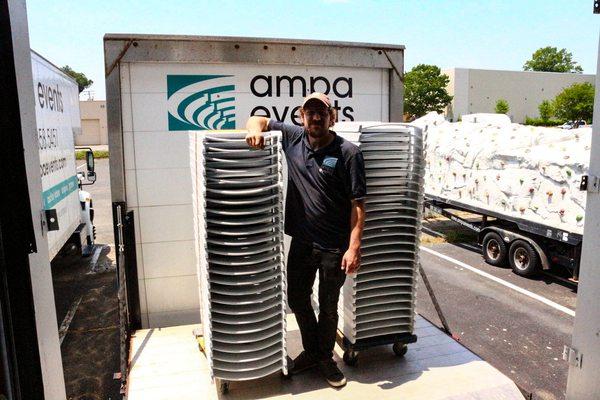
(256, 126)
(351, 259)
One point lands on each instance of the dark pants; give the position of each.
(318, 336)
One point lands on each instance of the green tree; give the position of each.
(501, 107)
(575, 102)
(79, 77)
(546, 110)
(550, 59)
(425, 90)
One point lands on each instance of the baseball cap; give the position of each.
(318, 97)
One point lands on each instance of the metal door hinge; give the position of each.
(590, 183)
(121, 245)
(572, 356)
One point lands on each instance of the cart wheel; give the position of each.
(350, 357)
(400, 349)
(222, 385)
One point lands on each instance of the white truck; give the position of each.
(68, 208)
(158, 88)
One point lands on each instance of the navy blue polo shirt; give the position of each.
(321, 184)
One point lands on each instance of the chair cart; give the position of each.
(377, 305)
(399, 344)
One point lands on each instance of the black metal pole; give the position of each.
(438, 309)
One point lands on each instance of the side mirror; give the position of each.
(89, 160)
(91, 176)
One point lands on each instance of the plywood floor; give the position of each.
(167, 364)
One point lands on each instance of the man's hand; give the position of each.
(255, 140)
(256, 126)
(351, 261)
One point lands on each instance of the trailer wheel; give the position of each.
(523, 258)
(494, 249)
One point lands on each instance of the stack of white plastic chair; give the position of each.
(238, 206)
(377, 304)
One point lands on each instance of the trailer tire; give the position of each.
(494, 249)
(523, 258)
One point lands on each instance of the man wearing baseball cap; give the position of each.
(324, 215)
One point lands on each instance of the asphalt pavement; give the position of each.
(86, 306)
(515, 331)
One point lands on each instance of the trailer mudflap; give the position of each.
(79, 239)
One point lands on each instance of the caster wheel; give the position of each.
(400, 349)
(350, 357)
(222, 386)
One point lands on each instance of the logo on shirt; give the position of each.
(327, 167)
(330, 162)
(200, 102)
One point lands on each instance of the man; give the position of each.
(324, 215)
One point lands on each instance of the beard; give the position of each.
(317, 130)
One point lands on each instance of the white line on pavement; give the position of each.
(81, 166)
(534, 296)
(94, 261)
(64, 327)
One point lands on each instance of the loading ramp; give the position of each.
(166, 363)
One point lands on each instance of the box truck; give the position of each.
(158, 88)
(69, 212)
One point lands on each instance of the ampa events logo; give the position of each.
(200, 102)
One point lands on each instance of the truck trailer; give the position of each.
(69, 212)
(527, 185)
(525, 245)
(161, 87)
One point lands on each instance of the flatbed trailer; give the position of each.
(527, 246)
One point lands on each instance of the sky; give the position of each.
(485, 34)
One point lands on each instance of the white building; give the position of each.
(93, 123)
(478, 90)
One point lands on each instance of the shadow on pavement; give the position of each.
(90, 348)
